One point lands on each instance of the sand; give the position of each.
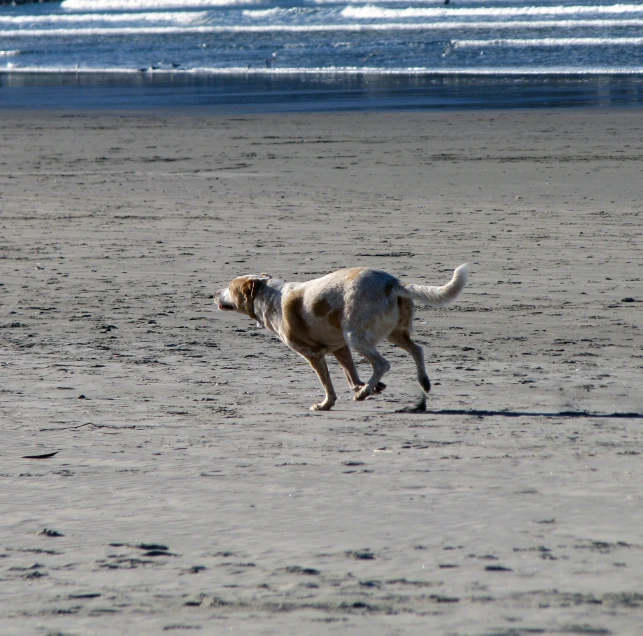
(193, 491)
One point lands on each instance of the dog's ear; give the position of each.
(251, 286)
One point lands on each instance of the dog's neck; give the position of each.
(267, 303)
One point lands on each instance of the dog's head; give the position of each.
(240, 294)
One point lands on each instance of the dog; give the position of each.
(350, 308)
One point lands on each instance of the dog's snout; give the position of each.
(222, 300)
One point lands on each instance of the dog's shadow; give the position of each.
(420, 408)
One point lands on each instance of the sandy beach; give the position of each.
(190, 490)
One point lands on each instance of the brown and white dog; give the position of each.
(355, 308)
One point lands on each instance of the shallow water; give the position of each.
(314, 92)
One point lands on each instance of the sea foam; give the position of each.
(142, 5)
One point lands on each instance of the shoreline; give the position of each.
(260, 91)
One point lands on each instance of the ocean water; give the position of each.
(275, 54)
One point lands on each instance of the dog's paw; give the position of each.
(322, 406)
(362, 394)
(378, 389)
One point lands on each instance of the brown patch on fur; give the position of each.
(388, 288)
(321, 307)
(405, 320)
(242, 292)
(296, 328)
(335, 318)
(237, 295)
(353, 273)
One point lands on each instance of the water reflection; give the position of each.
(317, 92)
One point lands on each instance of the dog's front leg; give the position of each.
(318, 362)
(345, 359)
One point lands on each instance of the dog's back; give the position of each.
(358, 294)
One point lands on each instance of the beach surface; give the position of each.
(190, 490)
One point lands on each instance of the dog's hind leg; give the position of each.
(401, 337)
(345, 359)
(318, 362)
(403, 340)
(378, 362)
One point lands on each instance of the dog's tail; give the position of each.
(440, 296)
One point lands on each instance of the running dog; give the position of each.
(355, 307)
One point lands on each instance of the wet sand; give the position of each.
(273, 91)
(191, 489)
